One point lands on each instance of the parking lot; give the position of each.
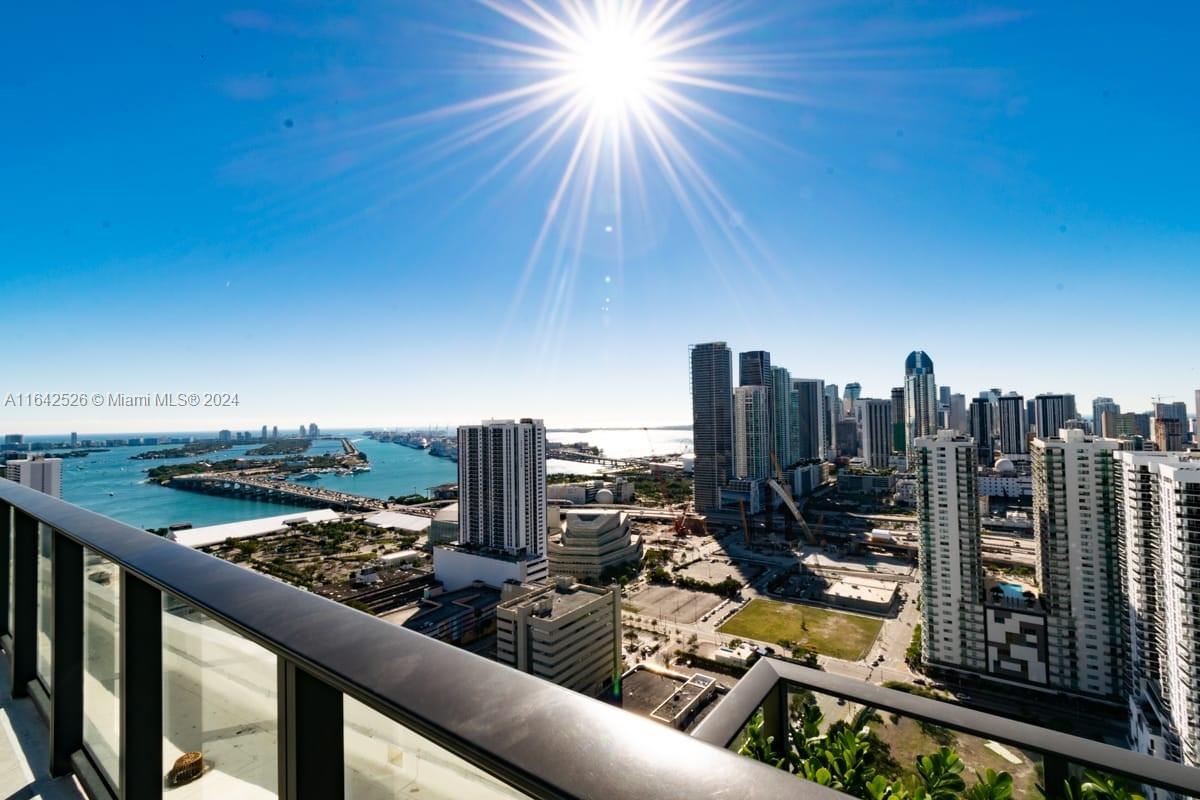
(672, 604)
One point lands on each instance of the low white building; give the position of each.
(215, 534)
(399, 521)
(458, 566)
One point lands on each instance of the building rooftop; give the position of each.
(215, 534)
(557, 600)
(397, 520)
(436, 609)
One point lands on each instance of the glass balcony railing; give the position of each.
(163, 672)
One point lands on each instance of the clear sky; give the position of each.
(265, 199)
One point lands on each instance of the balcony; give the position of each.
(137, 652)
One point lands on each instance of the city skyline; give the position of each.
(309, 232)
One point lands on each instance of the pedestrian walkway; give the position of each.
(24, 747)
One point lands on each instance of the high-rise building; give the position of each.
(950, 552)
(502, 486)
(875, 431)
(808, 418)
(37, 472)
(781, 410)
(944, 395)
(712, 421)
(1171, 411)
(74, 439)
(833, 412)
(751, 433)
(898, 430)
(853, 392)
(1168, 434)
(754, 369)
(959, 421)
(981, 430)
(225, 436)
(920, 398)
(313, 430)
(274, 431)
(1078, 562)
(1100, 405)
(566, 633)
(14, 439)
(1052, 410)
(1115, 425)
(1158, 498)
(847, 438)
(1014, 428)
(263, 433)
(1069, 407)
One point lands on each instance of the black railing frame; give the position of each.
(538, 738)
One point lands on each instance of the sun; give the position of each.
(612, 67)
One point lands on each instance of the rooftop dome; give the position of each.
(918, 363)
(1005, 465)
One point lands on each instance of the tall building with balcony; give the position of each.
(875, 431)
(754, 369)
(502, 486)
(781, 411)
(1078, 562)
(712, 421)
(920, 398)
(981, 430)
(807, 418)
(951, 557)
(1014, 427)
(751, 433)
(1158, 499)
(566, 633)
(37, 472)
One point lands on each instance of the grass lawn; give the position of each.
(831, 633)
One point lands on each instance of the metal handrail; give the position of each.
(726, 721)
(534, 735)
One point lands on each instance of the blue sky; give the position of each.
(254, 199)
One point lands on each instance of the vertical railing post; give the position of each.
(140, 666)
(1055, 772)
(24, 633)
(66, 663)
(775, 718)
(5, 555)
(311, 747)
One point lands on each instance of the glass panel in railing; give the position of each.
(220, 709)
(386, 760)
(859, 746)
(45, 602)
(101, 660)
(12, 527)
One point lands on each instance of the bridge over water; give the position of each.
(269, 490)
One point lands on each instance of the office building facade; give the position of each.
(1014, 427)
(807, 419)
(751, 433)
(37, 472)
(875, 431)
(920, 398)
(981, 430)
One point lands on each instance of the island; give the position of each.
(283, 447)
(193, 449)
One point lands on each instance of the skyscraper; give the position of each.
(951, 557)
(712, 421)
(781, 410)
(1014, 429)
(981, 430)
(751, 433)
(833, 413)
(875, 431)
(1158, 498)
(853, 392)
(754, 369)
(1078, 562)
(920, 398)
(959, 421)
(1168, 434)
(898, 434)
(808, 418)
(1053, 410)
(502, 486)
(1099, 406)
(74, 439)
(1171, 411)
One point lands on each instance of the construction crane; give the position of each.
(777, 486)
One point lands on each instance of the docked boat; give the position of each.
(306, 476)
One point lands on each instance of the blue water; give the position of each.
(1012, 591)
(89, 481)
(395, 470)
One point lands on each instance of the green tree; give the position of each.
(941, 774)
